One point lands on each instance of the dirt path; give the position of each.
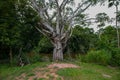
(47, 73)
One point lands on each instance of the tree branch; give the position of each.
(77, 11)
(79, 7)
(42, 13)
(63, 4)
(57, 3)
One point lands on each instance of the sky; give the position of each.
(92, 11)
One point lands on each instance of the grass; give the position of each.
(85, 72)
(31, 74)
(9, 73)
(90, 72)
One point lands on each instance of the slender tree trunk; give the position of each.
(99, 35)
(58, 50)
(10, 54)
(68, 52)
(117, 29)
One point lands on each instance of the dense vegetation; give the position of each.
(21, 42)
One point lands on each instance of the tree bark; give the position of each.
(117, 29)
(58, 50)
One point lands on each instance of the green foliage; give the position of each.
(35, 57)
(101, 18)
(81, 58)
(16, 27)
(113, 3)
(27, 58)
(100, 57)
(107, 38)
(17, 30)
(82, 39)
(9, 32)
(45, 46)
(115, 61)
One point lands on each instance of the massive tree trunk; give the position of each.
(58, 50)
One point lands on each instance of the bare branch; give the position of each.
(34, 5)
(46, 13)
(43, 14)
(85, 8)
(63, 4)
(47, 26)
(77, 11)
(66, 34)
(79, 7)
(58, 18)
(62, 28)
(57, 3)
(89, 19)
(40, 31)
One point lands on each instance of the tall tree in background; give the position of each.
(116, 3)
(57, 19)
(101, 19)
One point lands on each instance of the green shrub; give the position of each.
(101, 57)
(81, 58)
(35, 57)
(45, 59)
(15, 60)
(115, 60)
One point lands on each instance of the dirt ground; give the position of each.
(46, 73)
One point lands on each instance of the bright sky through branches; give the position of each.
(92, 11)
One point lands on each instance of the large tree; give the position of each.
(101, 19)
(57, 18)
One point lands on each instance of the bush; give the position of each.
(45, 45)
(46, 59)
(81, 58)
(101, 57)
(34, 57)
(15, 60)
(115, 60)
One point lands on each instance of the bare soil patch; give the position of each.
(47, 73)
(62, 65)
(106, 75)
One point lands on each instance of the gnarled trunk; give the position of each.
(58, 50)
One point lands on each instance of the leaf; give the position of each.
(110, 0)
(101, 25)
(117, 3)
(110, 4)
